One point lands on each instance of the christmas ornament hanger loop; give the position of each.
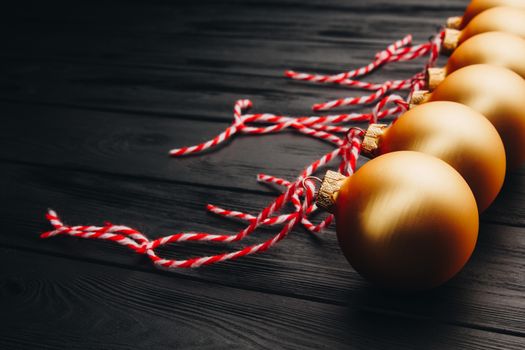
(315, 178)
(351, 133)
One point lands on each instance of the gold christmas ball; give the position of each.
(498, 94)
(497, 19)
(496, 48)
(456, 134)
(475, 7)
(406, 221)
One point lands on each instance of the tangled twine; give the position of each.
(299, 193)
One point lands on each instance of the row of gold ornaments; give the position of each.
(408, 219)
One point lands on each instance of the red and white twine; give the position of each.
(398, 51)
(141, 244)
(299, 193)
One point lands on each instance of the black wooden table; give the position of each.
(94, 94)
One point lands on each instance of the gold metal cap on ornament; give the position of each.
(371, 139)
(454, 22)
(435, 76)
(450, 40)
(418, 97)
(327, 194)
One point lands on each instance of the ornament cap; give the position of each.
(450, 40)
(435, 76)
(371, 140)
(418, 97)
(454, 22)
(327, 194)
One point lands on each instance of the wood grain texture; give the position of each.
(144, 61)
(136, 145)
(63, 304)
(302, 266)
(93, 96)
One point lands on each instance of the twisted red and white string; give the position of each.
(139, 243)
(320, 127)
(392, 53)
(300, 197)
(398, 51)
(300, 193)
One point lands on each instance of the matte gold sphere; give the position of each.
(498, 94)
(496, 19)
(458, 135)
(406, 221)
(475, 7)
(496, 48)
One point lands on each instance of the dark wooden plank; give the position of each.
(190, 94)
(230, 36)
(89, 64)
(245, 19)
(195, 89)
(488, 294)
(137, 145)
(61, 303)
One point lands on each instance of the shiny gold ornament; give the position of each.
(498, 94)
(454, 133)
(406, 221)
(497, 19)
(496, 48)
(476, 7)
